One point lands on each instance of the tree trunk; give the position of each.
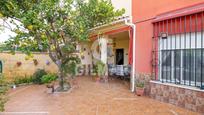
(61, 79)
(61, 73)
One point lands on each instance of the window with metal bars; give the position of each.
(181, 59)
(178, 49)
(177, 68)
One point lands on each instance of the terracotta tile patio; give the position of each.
(90, 98)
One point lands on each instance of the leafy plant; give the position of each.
(140, 84)
(94, 70)
(22, 80)
(71, 66)
(100, 68)
(3, 90)
(48, 78)
(38, 75)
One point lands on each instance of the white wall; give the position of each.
(86, 53)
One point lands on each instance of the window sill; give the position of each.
(179, 86)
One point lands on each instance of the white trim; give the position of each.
(134, 54)
(122, 19)
(178, 86)
(182, 82)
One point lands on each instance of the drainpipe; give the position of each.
(131, 24)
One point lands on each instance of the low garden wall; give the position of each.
(183, 96)
(19, 65)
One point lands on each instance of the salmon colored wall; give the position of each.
(143, 12)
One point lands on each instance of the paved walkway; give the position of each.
(90, 98)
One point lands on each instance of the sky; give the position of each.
(5, 33)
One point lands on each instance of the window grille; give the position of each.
(178, 50)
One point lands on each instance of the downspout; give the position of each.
(131, 24)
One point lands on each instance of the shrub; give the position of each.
(48, 78)
(21, 80)
(38, 75)
(3, 90)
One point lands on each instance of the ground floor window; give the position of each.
(181, 60)
(185, 66)
(178, 48)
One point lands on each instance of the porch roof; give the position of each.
(116, 26)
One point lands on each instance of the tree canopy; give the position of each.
(55, 26)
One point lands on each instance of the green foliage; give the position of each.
(70, 66)
(3, 90)
(100, 68)
(43, 23)
(3, 47)
(48, 78)
(22, 80)
(55, 26)
(99, 12)
(140, 84)
(94, 69)
(38, 75)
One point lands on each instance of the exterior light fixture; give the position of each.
(164, 35)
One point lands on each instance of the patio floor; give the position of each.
(90, 98)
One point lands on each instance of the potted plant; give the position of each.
(97, 78)
(94, 73)
(94, 76)
(100, 68)
(49, 80)
(140, 88)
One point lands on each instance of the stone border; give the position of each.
(178, 85)
(179, 95)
